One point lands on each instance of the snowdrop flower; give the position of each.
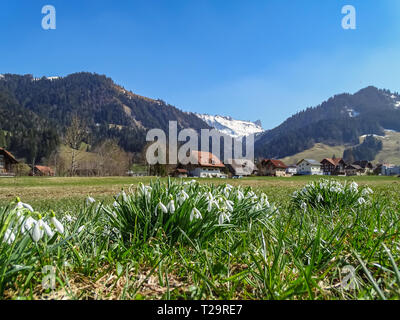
(48, 230)
(9, 237)
(209, 205)
(229, 205)
(145, 191)
(81, 228)
(361, 201)
(123, 195)
(304, 206)
(353, 187)
(161, 206)
(28, 225)
(240, 195)
(21, 205)
(223, 216)
(210, 202)
(195, 214)
(367, 191)
(89, 201)
(227, 190)
(320, 197)
(171, 206)
(68, 218)
(264, 200)
(182, 197)
(115, 204)
(37, 230)
(57, 224)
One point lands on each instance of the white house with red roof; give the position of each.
(206, 165)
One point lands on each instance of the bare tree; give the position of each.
(111, 159)
(74, 136)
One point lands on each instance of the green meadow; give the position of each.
(211, 239)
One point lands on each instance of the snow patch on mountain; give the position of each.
(396, 100)
(232, 127)
(351, 112)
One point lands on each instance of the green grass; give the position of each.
(129, 253)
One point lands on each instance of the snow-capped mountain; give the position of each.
(232, 127)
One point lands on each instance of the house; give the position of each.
(205, 165)
(309, 167)
(42, 171)
(366, 165)
(354, 170)
(272, 167)
(333, 167)
(241, 167)
(7, 163)
(377, 169)
(291, 170)
(390, 169)
(180, 173)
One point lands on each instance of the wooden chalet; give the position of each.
(7, 163)
(273, 167)
(333, 167)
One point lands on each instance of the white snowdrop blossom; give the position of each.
(48, 230)
(361, 201)
(223, 216)
(37, 231)
(57, 224)
(22, 205)
(9, 236)
(28, 225)
(123, 195)
(353, 186)
(68, 218)
(90, 200)
(304, 206)
(239, 195)
(171, 206)
(195, 214)
(182, 197)
(229, 205)
(367, 191)
(162, 207)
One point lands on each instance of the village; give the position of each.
(207, 165)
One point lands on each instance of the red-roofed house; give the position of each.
(43, 171)
(205, 165)
(272, 167)
(7, 162)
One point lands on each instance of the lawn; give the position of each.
(185, 240)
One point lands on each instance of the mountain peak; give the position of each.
(232, 127)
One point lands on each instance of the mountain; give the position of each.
(339, 121)
(231, 127)
(34, 113)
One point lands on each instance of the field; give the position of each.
(251, 239)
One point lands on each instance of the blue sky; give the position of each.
(249, 59)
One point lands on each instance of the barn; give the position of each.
(7, 163)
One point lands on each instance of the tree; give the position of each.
(111, 160)
(74, 136)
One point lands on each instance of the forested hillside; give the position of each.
(34, 113)
(340, 120)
